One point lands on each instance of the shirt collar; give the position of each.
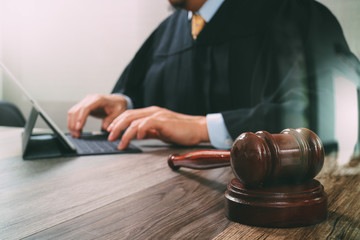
(208, 10)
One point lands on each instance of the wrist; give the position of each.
(125, 100)
(203, 130)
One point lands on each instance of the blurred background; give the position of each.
(63, 50)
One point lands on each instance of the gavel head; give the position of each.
(261, 158)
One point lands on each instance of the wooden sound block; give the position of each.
(292, 205)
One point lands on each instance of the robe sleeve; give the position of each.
(130, 82)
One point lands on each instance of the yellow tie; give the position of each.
(197, 24)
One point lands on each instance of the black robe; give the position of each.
(257, 62)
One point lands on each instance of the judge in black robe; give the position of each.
(261, 64)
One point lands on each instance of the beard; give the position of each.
(177, 4)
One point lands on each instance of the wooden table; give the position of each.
(137, 196)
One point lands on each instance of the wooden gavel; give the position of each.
(261, 158)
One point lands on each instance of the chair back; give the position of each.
(10, 115)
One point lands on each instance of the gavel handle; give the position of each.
(204, 159)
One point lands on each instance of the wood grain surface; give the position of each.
(137, 196)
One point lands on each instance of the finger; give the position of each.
(84, 111)
(74, 114)
(150, 127)
(154, 134)
(129, 134)
(126, 118)
(109, 119)
(150, 134)
(70, 118)
(71, 121)
(115, 130)
(130, 115)
(75, 134)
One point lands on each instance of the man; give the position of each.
(255, 65)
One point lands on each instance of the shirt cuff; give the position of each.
(218, 134)
(129, 103)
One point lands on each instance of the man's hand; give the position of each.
(107, 107)
(159, 123)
